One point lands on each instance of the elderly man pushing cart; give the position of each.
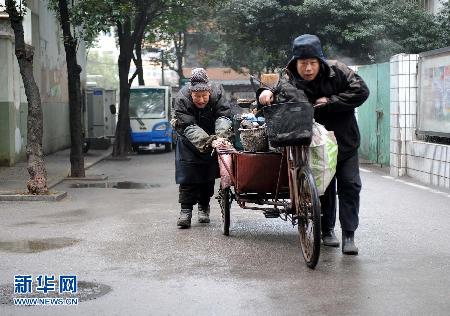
(335, 91)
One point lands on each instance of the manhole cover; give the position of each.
(115, 185)
(86, 291)
(37, 245)
(90, 291)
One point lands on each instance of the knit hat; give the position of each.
(199, 80)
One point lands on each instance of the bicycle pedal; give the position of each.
(271, 213)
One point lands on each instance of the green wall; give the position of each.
(13, 130)
(5, 137)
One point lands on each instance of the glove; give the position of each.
(221, 142)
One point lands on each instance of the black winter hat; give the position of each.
(306, 46)
(199, 80)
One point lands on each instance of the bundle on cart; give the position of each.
(254, 139)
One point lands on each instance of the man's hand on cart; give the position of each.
(321, 102)
(266, 97)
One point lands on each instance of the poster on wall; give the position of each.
(434, 93)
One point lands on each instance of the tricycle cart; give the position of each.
(278, 183)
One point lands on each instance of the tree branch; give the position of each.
(130, 81)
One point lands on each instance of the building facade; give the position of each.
(43, 33)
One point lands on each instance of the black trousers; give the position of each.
(348, 188)
(200, 193)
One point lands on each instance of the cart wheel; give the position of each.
(308, 212)
(225, 205)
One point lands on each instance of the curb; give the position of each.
(100, 177)
(87, 166)
(52, 197)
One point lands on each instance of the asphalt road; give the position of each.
(126, 242)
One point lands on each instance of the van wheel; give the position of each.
(168, 147)
(136, 148)
(86, 146)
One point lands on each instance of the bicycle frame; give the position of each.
(297, 158)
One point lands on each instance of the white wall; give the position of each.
(426, 162)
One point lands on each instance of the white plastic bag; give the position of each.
(323, 156)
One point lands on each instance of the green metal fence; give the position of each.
(374, 114)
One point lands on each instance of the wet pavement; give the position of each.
(36, 245)
(127, 241)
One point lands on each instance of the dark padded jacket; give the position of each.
(345, 91)
(194, 126)
(186, 113)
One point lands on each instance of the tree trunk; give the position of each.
(75, 106)
(37, 184)
(122, 143)
(127, 42)
(138, 63)
(180, 49)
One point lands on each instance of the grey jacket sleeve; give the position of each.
(223, 127)
(198, 137)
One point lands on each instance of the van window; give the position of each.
(147, 103)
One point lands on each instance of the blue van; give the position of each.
(150, 114)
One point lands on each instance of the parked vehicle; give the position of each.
(99, 118)
(150, 114)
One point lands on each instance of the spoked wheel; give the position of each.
(225, 205)
(308, 212)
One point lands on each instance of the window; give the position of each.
(147, 103)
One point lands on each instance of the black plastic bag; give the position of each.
(289, 124)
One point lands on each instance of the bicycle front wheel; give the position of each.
(308, 213)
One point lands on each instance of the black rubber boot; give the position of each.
(203, 214)
(184, 220)
(329, 239)
(348, 243)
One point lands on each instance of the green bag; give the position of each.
(323, 156)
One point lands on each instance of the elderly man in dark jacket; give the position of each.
(201, 119)
(335, 91)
